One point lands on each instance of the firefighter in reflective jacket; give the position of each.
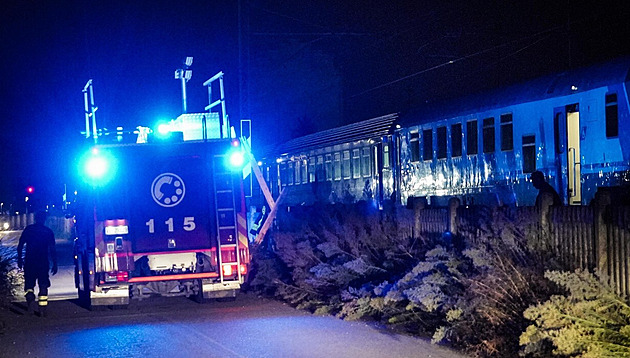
(40, 244)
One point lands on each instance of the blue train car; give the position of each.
(343, 164)
(572, 126)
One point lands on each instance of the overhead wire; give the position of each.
(462, 58)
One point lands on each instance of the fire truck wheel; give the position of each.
(84, 299)
(199, 296)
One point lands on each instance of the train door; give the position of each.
(574, 166)
(567, 149)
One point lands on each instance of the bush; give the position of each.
(506, 277)
(589, 321)
(360, 264)
(328, 249)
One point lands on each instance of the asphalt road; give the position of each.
(178, 327)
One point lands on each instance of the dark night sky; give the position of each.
(305, 65)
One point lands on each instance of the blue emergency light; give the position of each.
(235, 156)
(236, 159)
(97, 167)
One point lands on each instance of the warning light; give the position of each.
(236, 159)
(97, 166)
(30, 189)
(235, 156)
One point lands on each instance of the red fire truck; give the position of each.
(161, 219)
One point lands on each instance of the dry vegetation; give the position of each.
(477, 295)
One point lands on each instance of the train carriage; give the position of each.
(343, 164)
(572, 126)
(482, 149)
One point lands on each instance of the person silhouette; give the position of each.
(544, 189)
(40, 245)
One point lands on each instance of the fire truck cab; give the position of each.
(164, 218)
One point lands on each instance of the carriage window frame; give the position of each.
(311, 169)
(298, 172)
(346, 171)
(414, 146)
(366, 168)
(304, 171)
(320, 174)
(456, 140)
(529, 153)
(329, 167)
(356, 163)
(386, 155)
(507, 132)
(488, 136)
(291, 172)
(441, 137)
(427, 144)
(612, 115)
(337, 166)
(284, 178)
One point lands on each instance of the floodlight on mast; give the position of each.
(184, 74)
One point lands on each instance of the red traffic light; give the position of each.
(30, 189)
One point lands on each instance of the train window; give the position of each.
(291, 172)
(507, 139)
(356, 163)
(283, 174)
(365, 162)
(488, 135)
(386, 163)
(441, 142)
(320, 173)
(427, 141)
(311, 169)
(414, 146)
(329, 167)
(345, 164)
(298, 171)
(456, 140)
(304, 172)
(529, 153)
(612, 116)
(472, 146)
(337, 166)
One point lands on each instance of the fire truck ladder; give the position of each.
(227, 243)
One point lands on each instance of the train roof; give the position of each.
(556, 85)
(367, 129)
